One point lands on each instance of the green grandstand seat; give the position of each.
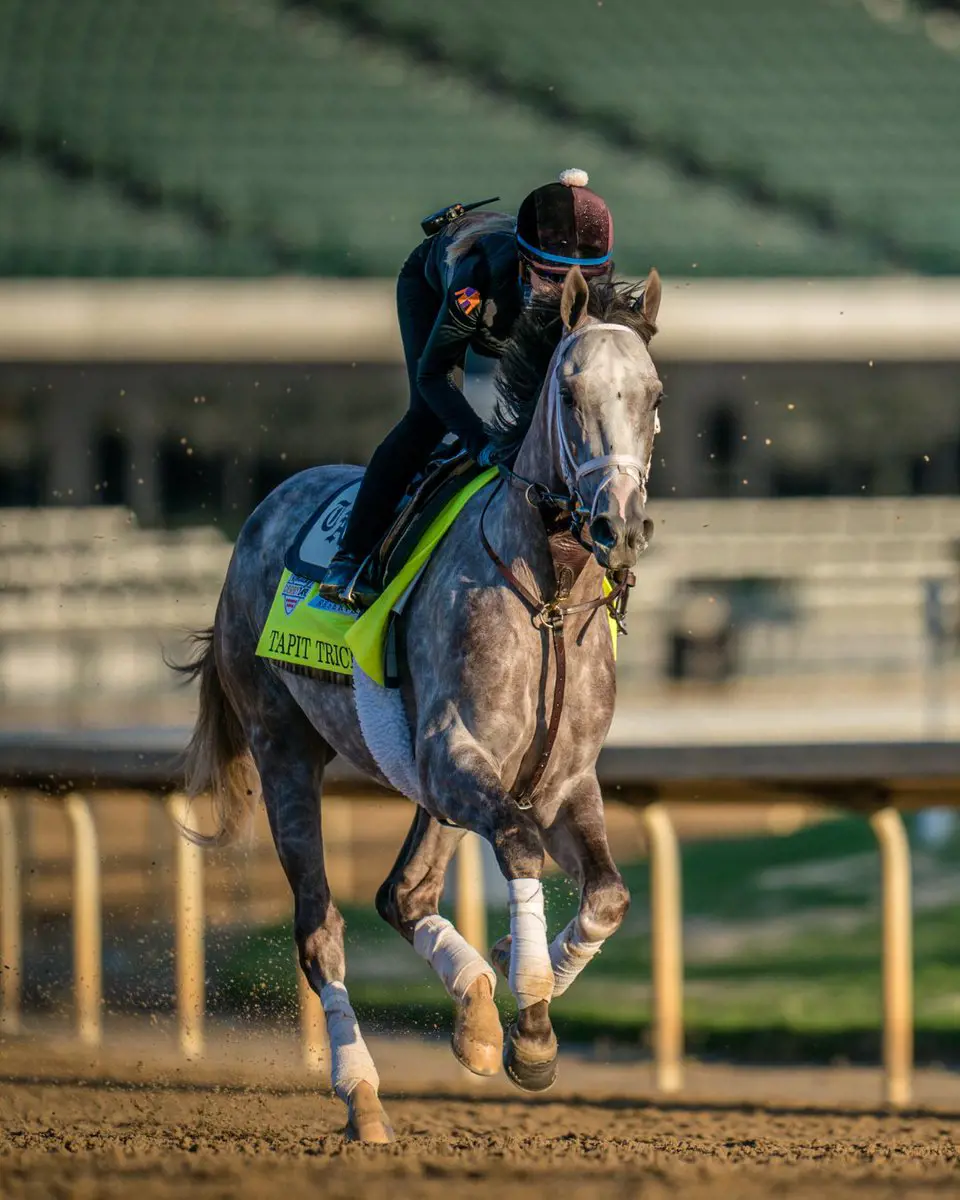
(301, 135)
(816, 100)
(71, 227)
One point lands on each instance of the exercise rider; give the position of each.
(464, 286)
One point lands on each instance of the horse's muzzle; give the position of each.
(618, 543)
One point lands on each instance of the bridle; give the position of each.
(573, 473)
(552, 506)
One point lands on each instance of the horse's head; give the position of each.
(603, 396)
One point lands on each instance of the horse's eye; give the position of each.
(566, 396)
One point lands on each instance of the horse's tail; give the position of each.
(217, 758)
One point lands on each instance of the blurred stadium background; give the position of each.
(203, 205)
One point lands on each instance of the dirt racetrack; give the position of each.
(133, 1121)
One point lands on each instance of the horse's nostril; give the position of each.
(606, 531)
(647, 529)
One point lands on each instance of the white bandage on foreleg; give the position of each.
(450, 955)
(570, 952)
(351, 1062)
(531, 975)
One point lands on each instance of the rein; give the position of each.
(552, 614)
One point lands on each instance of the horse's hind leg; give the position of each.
(408, 900)
(290, 757)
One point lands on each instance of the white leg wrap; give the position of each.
(531, 975)
(450, 955)
(570, 952)
(351, 1061)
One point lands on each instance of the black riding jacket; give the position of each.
(473, 268)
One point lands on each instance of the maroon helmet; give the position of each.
(564, 225)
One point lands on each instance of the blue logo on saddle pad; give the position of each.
(294, 590)
(330, 606)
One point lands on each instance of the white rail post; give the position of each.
(313, 1023)
(190, 965)
(11, 924)
(470, 917)
(891, 837)
(87, 921)
(666, 922)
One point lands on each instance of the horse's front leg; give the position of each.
(473, 796)
(577, 841)
(530, 1058)
(408, 900)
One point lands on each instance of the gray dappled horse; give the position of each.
(580, 401)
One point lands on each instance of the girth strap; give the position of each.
(551, 614)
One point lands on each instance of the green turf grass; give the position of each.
(782, 956)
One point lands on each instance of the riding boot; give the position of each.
(346, 582)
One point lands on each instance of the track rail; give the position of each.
(876, 781)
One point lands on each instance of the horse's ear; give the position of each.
(648, 302)
(573, 301)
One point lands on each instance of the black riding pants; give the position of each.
(407, 447)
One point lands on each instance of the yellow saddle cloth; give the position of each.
(306, 631)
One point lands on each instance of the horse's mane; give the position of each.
(535, 336)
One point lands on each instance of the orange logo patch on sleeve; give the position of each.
(468, 300)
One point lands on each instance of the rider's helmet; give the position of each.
(564, 224)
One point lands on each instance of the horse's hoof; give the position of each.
(366, 1120)
(478, 1036)
(500, 956)
(531, 1067)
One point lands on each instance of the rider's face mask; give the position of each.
(530, 284)
(526, 285)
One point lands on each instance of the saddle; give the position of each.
(307, 632)
(441, 481)
(444, 477)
